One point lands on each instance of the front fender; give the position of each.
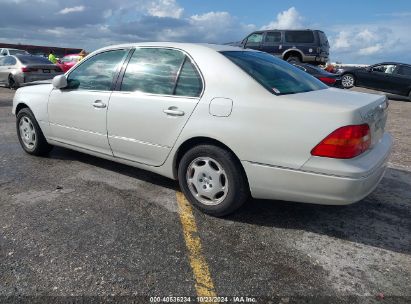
(36, 99)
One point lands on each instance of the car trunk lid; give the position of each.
(363, 107)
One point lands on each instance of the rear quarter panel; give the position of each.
(262, 127)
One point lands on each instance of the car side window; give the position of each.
(272, 38)
(388, 69)
(96, 73)
(153, 70)
(404, 70)
(10, 60)
(189, 81)
(254, 40)
(299, 36)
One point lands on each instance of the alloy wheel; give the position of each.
(347, 81)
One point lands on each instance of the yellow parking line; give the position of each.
(204, 284)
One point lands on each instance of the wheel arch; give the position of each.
(291, 52)
(21, 105)
(200, 140)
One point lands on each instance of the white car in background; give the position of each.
(12, 52)
(226, 122)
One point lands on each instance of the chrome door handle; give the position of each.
(99, 104)
(172, 111)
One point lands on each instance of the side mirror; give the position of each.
(60, 82)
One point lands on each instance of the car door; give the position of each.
(78, 113)
(159, 90)
(272, 43)
(7, 68)
(400, 80)
(2, 70)
(375, 77)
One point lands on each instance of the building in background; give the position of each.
(41, 50)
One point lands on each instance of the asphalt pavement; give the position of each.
(73, 225)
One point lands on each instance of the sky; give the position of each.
(366, 31)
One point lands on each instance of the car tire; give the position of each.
(12, 83)
(30, 135)
(213, 180)
(293, 59)
(348, 81)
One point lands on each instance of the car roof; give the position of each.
(284, 30)
(393, 63)
(178, 45)
(15, 49)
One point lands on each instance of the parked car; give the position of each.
(309, 46)
(11, 52)
(226, 122)
(68, 61)
(390, 77)
(330, 79)
(19, 69)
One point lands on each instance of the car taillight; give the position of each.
(345, 142)
(327, 80)
(25, 69)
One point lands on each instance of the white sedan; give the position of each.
(226, 122)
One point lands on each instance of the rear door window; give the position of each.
(189, 81)
(299, 36)
(404, 70)
(272, 38)
(162, 71)
(153, 70)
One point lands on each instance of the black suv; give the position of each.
(292, 45)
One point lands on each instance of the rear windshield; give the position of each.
(16, 52)
(299, 36)
(33, 60)
(323, 38)
(276, 75)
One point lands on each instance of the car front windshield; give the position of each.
(276, 75)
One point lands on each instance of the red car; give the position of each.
(68, 61)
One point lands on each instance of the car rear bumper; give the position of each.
(315, 58)
(25, 78)
(269, 182)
